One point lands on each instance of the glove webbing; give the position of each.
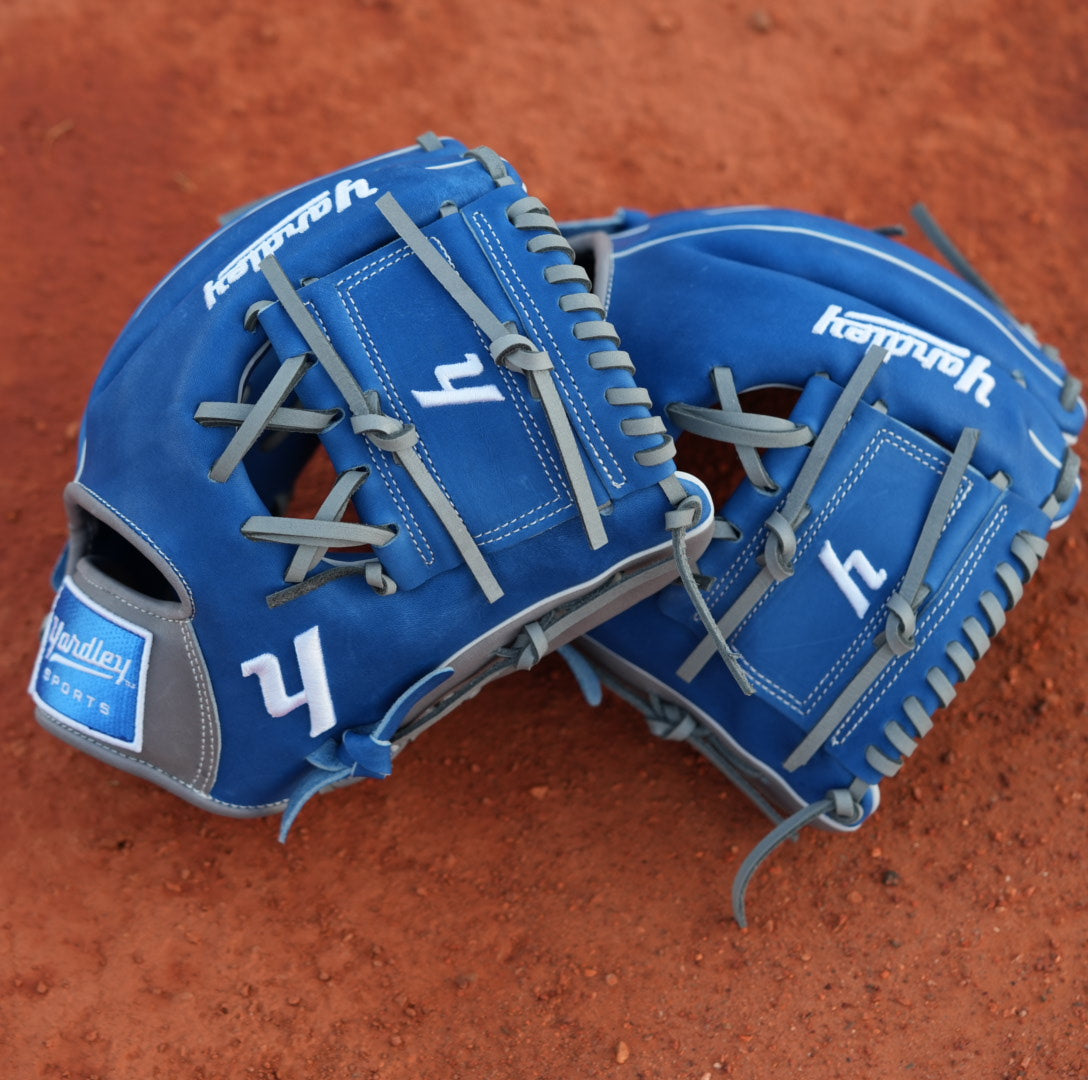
(781, 542)
(844, 803)
(898, 637)
(744, 431)
(510, 350)
(316, 536)
(326, 530)
(385, 432)
(897, 640)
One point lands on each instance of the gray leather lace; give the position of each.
(510, 350)
(748, 432)
(903, 605)
(313, 538)
(781, 525)
(1071, 386)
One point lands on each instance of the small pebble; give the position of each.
(761, 21)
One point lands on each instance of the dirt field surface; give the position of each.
(541, 889)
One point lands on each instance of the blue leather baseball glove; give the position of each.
(496, 485)
(886, 520)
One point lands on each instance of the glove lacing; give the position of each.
(354, 753)
(1071, 386)
(781, 543)
(730, 424)
(313, 538)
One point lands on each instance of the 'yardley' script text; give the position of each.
(971, 373)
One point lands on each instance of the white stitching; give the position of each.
(498, 257)
(346, 293)
(365, 275)
(415, 530)
(166, 558)
(387, 382)
(878, 442)
(203, 778)
(933, 621)
(864, 638)
(528, 525)
(519, 285)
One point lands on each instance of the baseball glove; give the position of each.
(497, 485)
(883, 525)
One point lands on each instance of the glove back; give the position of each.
(884, 526)
(495, 485)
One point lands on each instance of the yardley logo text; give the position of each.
(298, 221)
(91, 657)
(900, 339)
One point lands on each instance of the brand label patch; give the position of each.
(91, 670)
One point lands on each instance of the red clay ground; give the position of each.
(541, 891)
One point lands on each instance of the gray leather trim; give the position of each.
(181, 731)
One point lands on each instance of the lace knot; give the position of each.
(844, 806)
(684, 515)
(781, 547)
(901, 625)
(518, 353)
(385, 432)
(668, 721)
(529, 648)
(368, 755)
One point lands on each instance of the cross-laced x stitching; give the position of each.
(747, 432)
(732, 425)
(313, 538)
(781, 524)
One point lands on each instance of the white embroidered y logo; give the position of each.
(469, 368)
(315, 682)
(840, 574)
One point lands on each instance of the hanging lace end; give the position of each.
(678, 521)
(584, 674)
(838, 802)
(334, 762)
(956, 258)
(326, 769)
